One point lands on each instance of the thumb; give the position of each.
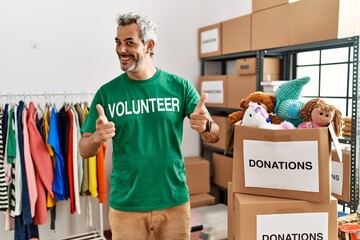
(101, 112)
(201, 102)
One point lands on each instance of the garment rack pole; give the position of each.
(98, 233)
(44, 94)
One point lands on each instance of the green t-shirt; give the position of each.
(148, 165)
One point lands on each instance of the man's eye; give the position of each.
(130, 43)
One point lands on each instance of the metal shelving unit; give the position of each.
(288, 56)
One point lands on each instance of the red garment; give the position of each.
(40, 206)
(39, 152)
(100, 158)
(70, 168)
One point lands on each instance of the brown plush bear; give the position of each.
(266, 100)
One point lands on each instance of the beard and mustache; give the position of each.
(128, 57)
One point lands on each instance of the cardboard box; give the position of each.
(216, 88)
(231, 211)
(222, 170)
(265, 218)
(271, 86)
(248, 66)
(259, 5)
(225, 128)
(292, 164)
(210, 40)
(312, 21)
(239, 87)
(236, 35)
(201, 199)
(340, 176)
(197, 175)
(270, 28)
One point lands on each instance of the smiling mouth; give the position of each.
(125, 58)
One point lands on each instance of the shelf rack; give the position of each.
(288, 55)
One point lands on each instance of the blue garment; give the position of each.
(54, 141)
(25, 232)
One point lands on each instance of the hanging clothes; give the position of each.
(24, 227)
(3, 186)
(76, 158)
(54, 141)
(44, 171)
(101, 174)
(16, 186)
(40, 165)
(63, 135)
(70, 166)
(29, 166)
(39, 152)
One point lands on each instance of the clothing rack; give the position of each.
(44, 94)
(97, 233)
(47, 95)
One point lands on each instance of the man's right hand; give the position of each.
(104, 129)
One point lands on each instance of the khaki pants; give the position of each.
(168, 224)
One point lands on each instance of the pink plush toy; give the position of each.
(317, 113)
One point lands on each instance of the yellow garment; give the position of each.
(93, 177)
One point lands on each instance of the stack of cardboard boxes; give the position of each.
(280, 186)
(281, 23)
(198, 181)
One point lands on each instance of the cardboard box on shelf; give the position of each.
(271, 86)
(270, 28)
(201, 199)
(197, 175)
(248, 66)
(236, 35)
(341, 176)
(210, 41)
(292, 164)
(313, 21)
(239, 87)
(216, 88)
(222, 170)
(225, 128)
(259, 217)
(259, 5)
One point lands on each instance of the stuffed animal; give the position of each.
(288, 105)
(266, 100)
(256, 116)
(317, 113)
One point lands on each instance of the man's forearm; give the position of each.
(212, 136)
(89, 145)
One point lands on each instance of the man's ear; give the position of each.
(150, 46)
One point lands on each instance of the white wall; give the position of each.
(68, 46)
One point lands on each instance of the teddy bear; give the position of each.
(317, 113)
(268, 101)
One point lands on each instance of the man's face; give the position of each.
(129, 48)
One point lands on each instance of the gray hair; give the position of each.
(146, 26)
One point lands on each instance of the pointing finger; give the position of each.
(201, 102)
(101, 112)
